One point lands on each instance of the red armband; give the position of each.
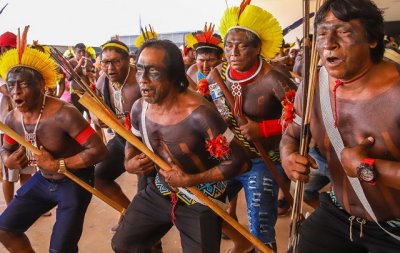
(269, 128)
(9, 140)
(84, 135)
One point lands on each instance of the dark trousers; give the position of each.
(327, 230)
(38, 196)
(148, 219)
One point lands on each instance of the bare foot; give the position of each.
(46, 214)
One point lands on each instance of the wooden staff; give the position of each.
(310, 65)
(93, 107)
(65, 172)
(242, 120)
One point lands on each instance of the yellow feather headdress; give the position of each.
(30, 58)
(69, 52)
(146, 35)
(91, 51)
(257, 21)
(204, 39)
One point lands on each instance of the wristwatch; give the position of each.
(62, 168)
(366, 171)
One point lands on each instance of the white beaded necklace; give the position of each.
(31, 137)
(119, 110)
(237, 87)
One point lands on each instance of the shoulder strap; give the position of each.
(337, 142)
(147, 142)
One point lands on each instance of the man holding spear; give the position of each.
(355, 122)
(255, 92)
(184, 129)
(66, 141)
(119, 90)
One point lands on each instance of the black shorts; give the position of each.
(148, 219)
(111, 168)
(327, 230)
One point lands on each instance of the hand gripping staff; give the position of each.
(310, 65)
(87, 101)
(71, 176)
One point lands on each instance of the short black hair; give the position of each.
(172, 59)
(366, 11)
(80, 46)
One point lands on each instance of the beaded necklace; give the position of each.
(118, 101)
(31, 137)
(237, 87)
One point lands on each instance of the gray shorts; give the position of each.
(13, 175)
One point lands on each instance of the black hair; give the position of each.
(80, 46)
(124, 53)
(173, 61)
(366, 11)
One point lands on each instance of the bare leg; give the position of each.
(240, 243)
(113, 191)
(16, 242)
(232, 207)
(23, 178)
(313, 203)
(8, 191)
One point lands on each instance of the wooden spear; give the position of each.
(310, 66)
(242, 120)
(87, 101)
(71, 176)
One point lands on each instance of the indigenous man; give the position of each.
(258, 91)
(65, 140)
(208, 52)
(8, 40)
(84, 68)
(359, 137)
(184, 129)
(119, 90)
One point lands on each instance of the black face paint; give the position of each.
(152, 72)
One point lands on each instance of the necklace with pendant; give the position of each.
(118, 101)
(31, 137)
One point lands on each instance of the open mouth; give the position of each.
(19, 102)
(145, 92)
(333, 61)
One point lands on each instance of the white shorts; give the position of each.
(13, 175)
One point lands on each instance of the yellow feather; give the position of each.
(229, 19)
(147, 36)
(31, 58)
(190, 40)
(258, 20)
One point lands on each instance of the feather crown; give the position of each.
(256, 20)
(146, 35)
(205, 39)
(30, 58)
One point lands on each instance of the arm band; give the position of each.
(9, 140)
(269, 128)
(84, 135)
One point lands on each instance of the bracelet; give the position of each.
(269, 128)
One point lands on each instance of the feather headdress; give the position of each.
(205, 39)
(69, 52)
(30, 58)
(91, 51)
(146, 35)
(257, 21)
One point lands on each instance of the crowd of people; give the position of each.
(225, 113)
